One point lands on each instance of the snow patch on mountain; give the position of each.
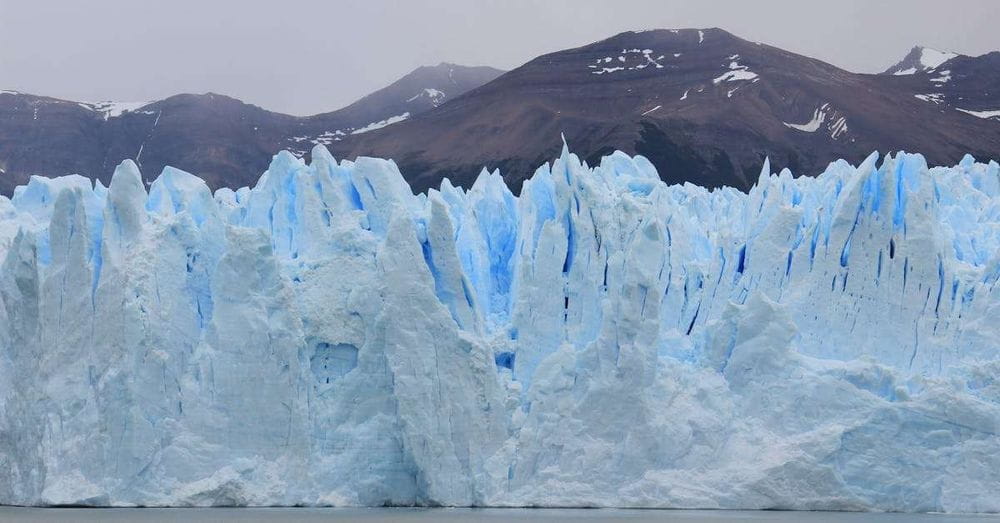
(631, 60)
(113, 109)
(981, 114)
(382, 123)
(819, 115)
(921, 59)
(931, 97)
(932, 58)
(944, 78)
(837, 126)
(736, 72)
(435, 96)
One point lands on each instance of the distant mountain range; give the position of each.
(964, 83)
(223, 140)
(702, 104)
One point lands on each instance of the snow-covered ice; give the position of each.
(328, 338)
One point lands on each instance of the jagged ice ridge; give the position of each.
(329, 338)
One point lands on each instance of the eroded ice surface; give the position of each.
(327, 337)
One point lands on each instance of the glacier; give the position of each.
(603, 339)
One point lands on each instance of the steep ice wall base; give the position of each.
(328, 338)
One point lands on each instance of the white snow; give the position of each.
(981, 114)
(382, 123)
(435, 96)
(819, 115)
(113, 109)
(836, 127)
(602, 339)
(605, 70)
(931, 97)
(735, 73)
(932, 58)
(944, 78)
(634, 59)
(327, 137)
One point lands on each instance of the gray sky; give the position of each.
(304, 57)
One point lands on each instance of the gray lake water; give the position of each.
(378, 515)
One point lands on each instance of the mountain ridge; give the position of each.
(223, 139)
(703, 105)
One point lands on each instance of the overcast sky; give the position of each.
(304, 57)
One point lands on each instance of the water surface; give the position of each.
(417, 515)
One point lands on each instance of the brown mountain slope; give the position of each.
(703, 105)
(223, 140)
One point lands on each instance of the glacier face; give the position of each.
(603, 339)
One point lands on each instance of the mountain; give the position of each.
(422, 90)
(221, 138)
(967, 83)
(920, 59)
(703, 105)
(225, 141)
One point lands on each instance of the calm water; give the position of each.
(378, 515)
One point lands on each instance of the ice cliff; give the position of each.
(327, 337)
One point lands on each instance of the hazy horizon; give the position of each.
(304, 58)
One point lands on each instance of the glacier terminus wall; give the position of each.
(329, 338)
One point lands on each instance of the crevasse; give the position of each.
(603, 339)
